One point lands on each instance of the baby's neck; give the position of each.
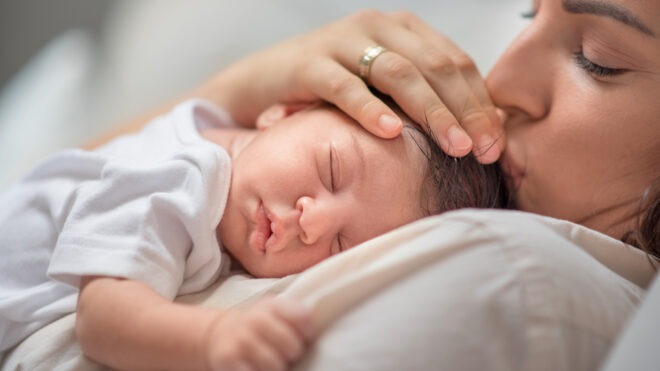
(232, 140)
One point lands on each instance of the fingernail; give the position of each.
(458, 139)
(485, 142)
(486, 152)
(389, 123)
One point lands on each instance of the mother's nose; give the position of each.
(315, 220)
(522, 79)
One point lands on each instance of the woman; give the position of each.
(579, 89)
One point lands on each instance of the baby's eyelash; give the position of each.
(594, 68)
(341, 247)
(332, 173)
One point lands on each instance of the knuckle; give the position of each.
(367, 15)
(368, 109)
(399, 68)
(297, 350)
(231, 353)
(438, 113)
(464, 63)
(304, 71)
(440, 64)
(404, 15)
(473, 117)
(264, 317)
(340, 85)
(259, 319)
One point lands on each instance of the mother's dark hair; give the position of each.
(646, 236)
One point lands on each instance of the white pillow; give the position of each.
(469, 290)
(483, 290)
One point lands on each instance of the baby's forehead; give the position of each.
(399, 165)
(412, 143)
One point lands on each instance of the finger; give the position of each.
(452, 90)
(410, 89)
(399, 78)
(445, 80)
(465, 64)
(295, 314)
(334, 83)
(262, 356)
(439, 58)
(279, 333)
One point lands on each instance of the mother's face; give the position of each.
(582, 87)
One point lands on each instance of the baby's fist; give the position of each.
(270, 334)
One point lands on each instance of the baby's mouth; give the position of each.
(272, 238)
(269, 230)
(262, 229)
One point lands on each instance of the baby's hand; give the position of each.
(268, 335)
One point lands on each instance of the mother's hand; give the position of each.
(428, 76)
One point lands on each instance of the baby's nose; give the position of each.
(315, 220)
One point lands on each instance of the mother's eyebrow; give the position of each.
(615, 12)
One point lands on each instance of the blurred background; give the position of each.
(72, 69)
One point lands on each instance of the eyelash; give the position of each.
(341, 247)
(594, 68)
(332, 173)
(332, 186)
(582, 61)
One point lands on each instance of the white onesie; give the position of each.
(143, 207)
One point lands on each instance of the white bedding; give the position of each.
(469, 290)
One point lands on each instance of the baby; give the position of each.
(117, 233)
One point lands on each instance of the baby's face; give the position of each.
(313, 185)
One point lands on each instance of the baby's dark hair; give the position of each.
(452, 183)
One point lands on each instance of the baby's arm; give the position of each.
(127, 325)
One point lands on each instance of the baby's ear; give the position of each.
(277, 112)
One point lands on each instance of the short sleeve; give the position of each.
(153, 221)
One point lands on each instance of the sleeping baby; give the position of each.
(116, 233)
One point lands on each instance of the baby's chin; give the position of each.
(238, 265)
(262, 271)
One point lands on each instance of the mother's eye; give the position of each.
(595, 69)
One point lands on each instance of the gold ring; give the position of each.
(367, 58)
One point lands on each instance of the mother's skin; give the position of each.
(587, 138)
(580, 86)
